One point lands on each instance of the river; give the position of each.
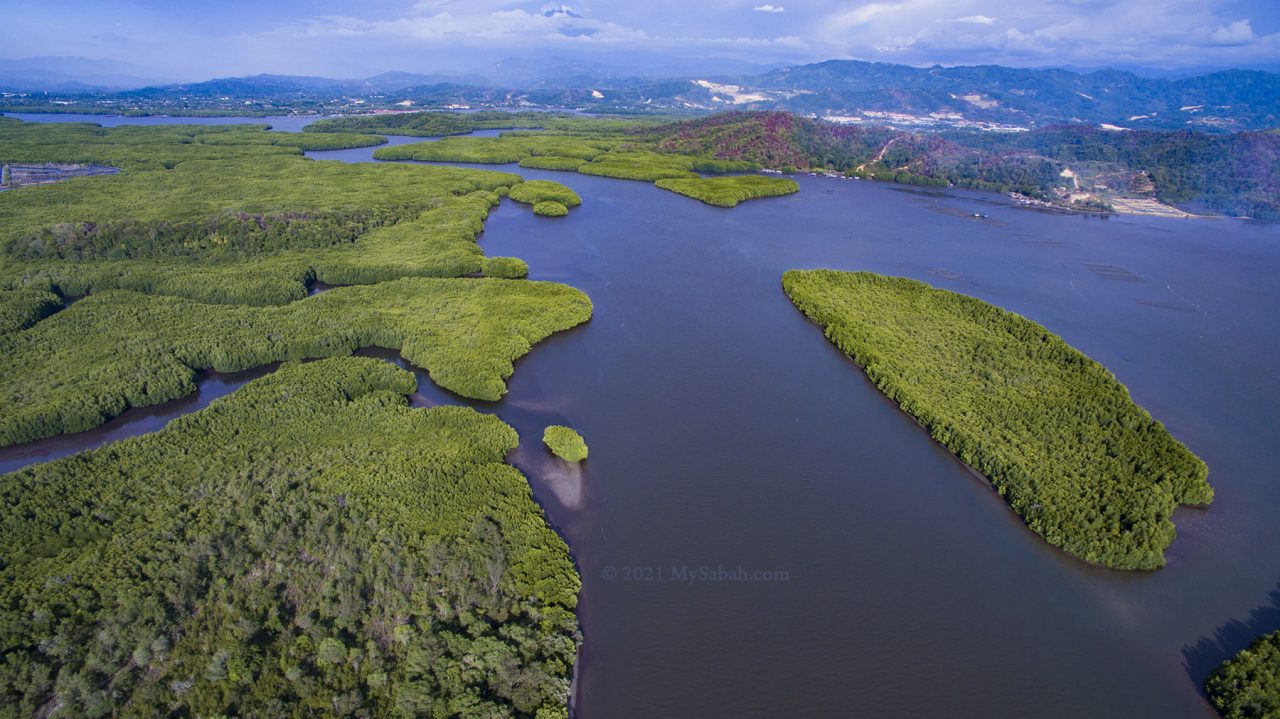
(727, 433)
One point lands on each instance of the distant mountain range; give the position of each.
(71, 74)
(845, 91)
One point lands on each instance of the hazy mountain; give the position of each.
(285, 86)
(393, 81)
(70, 74)
(1229, 100)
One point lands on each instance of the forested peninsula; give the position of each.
(605, 148)
(1055, 432)
(308, 544)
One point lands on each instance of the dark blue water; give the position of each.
(726, 432)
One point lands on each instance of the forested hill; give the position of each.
(1237, 174)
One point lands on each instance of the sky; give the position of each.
(183, 40)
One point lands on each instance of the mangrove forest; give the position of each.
(1057, 435)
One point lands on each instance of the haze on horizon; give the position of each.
(182, 41)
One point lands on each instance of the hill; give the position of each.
(1073, 166)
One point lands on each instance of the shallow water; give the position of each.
(725, 431)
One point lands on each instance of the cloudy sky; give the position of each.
(179, 39)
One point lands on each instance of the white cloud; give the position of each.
(1168, 33)
(860, 16)
(553, 27)
(552, 10)
(515, 26)
(1236, 33)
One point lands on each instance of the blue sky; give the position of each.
(188, 40)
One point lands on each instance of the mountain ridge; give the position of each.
(850, 91)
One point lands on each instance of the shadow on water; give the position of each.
(1202, 658)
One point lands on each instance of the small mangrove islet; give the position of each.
(565, 443)
(548, 198)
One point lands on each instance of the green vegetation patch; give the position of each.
(308, 545)
(1058, 436)
(439, 242)
(550, 208)
(534, 191)
(439, 124)
(729, 191)
(1247, 686)
(228, 208)
(23, 308)
(221, 214)
(306, 142)
(562, 164)
(116, 350)
(159, 147)
(130, 147)
(565, 443)
(607, 152)
(497, 150)
(640, 165)
(424, 124)
(511, 268)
